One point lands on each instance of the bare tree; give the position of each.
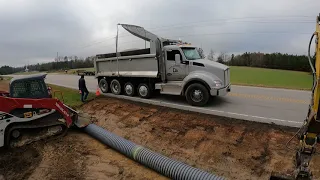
(201, 53)
(211, 55)
(221, 57)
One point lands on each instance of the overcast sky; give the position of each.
(33, 31)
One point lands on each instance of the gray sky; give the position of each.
(33, 31)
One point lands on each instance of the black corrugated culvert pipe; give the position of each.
(161, 164)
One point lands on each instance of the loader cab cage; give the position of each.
(29, 87)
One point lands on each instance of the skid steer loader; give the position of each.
(28, 113)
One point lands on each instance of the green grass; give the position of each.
(5, 78)
(270, 78)
(27, 73)
(70, 97)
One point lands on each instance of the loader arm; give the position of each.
(8, 104)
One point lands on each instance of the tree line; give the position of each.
(59, 63)
(254, 59)
(265, 60)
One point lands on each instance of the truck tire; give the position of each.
(197, 95)
(103, 85)
(115, 87)
(129, 89)
(144, 91)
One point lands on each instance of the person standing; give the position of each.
(83, 88)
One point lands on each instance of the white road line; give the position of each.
(296, 122)
(200, 110)
(246, 115)
(281, 89)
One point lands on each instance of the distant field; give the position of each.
(5, 78)
(270, 78)
(72, 71)
(27, 73)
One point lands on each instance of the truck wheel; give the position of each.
(115, 87)
(103, 85)
(144, 91)
(129, 89)
(197, 95)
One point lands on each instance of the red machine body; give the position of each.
(8, 104)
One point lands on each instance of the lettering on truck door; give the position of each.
(175, 72)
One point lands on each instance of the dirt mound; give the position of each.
(231, 148)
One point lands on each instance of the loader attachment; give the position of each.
(82, 121)
(79, 119)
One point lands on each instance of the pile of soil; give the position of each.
(231, 148)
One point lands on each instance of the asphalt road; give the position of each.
(268, 105)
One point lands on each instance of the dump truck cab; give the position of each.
(184, 66)
(184, 63)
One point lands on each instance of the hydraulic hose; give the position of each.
(161, 164)
(311, 65)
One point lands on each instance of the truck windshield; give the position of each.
(191, 53)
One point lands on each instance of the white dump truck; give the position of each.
(168, 66)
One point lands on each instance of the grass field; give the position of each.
(27, 73)
(5, 78)
(72, 71)
(70, 97)
(270, 78)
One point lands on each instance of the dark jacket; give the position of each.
(82, 84)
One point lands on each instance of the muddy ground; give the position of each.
(231, 148)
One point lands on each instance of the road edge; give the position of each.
(239, 116)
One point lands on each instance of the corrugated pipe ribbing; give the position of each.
(161, 164)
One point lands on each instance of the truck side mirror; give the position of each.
(177, 58)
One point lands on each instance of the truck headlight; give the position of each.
(218, 83)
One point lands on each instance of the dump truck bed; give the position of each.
(135, 63)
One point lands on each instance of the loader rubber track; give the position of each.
(36, 130)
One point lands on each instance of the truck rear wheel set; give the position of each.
(115, 87)
(142, 89)
(103, 85)
(129, 89)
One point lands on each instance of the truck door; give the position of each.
(175, 72)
